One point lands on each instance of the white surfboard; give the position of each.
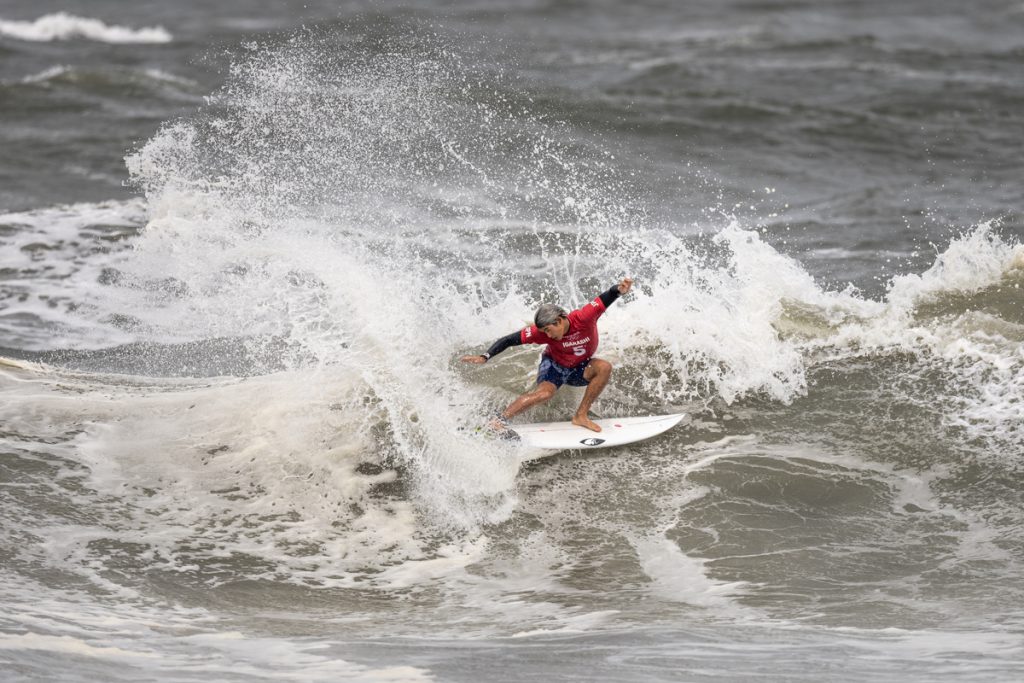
(615, 431)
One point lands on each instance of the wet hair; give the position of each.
(548, 314)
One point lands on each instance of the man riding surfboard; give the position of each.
(571, 340)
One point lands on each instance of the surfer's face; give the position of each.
(556, 330)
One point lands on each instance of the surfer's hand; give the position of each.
(625, 285)
(475, 360)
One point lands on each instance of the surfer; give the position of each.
(571, 340)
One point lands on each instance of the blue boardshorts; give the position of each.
(550, 371)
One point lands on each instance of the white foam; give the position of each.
(681, 578)
(64, 26)
(932, 643)
(46, 74)
(193, 472)
(983, 351)
(62, 72)
(972, 262)
(68, 645)
(717, 321)
(991, 406)
(58, 257)
(257, 468)
(159, 640)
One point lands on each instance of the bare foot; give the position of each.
(498, 425)
(584, 421)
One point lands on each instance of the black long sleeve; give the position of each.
(503, 343)
(609, 297)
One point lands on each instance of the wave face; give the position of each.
(235, 440)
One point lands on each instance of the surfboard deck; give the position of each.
(615, 431)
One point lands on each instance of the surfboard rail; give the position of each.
(615, 431)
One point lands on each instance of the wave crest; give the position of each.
(64, 26)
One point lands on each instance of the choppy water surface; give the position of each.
(241, 249)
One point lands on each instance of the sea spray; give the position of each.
(320, 201)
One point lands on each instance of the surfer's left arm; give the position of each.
(609, 297)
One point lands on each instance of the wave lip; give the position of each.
(64, 26)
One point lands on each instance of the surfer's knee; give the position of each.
(601, 367)
(545, 392)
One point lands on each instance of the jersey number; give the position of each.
(579, 350)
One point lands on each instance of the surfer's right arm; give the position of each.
(514, 339)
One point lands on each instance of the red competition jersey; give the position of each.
(579, 344)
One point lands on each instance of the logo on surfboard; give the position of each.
(592, 442)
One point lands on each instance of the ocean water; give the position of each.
(242, 247)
